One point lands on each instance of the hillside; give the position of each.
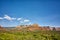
(34, 27)
(30, 35)
(29, 32)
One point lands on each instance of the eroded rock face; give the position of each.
(37, 27)
(34, 27)
(45, 28)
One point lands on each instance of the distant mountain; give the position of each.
(37, 27)
(32, 27)
(2, 29)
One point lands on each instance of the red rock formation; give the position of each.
(2, 29)
(46, 28)
(36, 27)
(57, 29)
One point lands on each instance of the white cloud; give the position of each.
(26, 20)
(16, 19)
(1, 18)
(19, 19)
(13, 18)
(9, 18)
(21, 22)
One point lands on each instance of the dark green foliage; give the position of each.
(30, 35)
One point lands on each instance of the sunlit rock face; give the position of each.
(34, 27)
(37, 27)
(18, 28)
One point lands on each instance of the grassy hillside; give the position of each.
(29, 35)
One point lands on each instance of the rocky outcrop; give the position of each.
(37, 27)
(46, 28)
(2, 29)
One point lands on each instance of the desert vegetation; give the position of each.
(33, 32)
(30, 35)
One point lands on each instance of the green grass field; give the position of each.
(30, 35)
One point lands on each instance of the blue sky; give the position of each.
(42, 12)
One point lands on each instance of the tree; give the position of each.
(54, 29)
